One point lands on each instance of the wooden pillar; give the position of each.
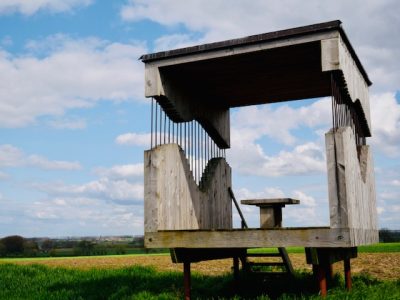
(270, 216)
(236, 269)
(186, 279)
(347, 273)
(321, 276)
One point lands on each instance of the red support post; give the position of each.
(347, 273)
(330, 271)
(186, 279)
(236, 269)
(321, 275)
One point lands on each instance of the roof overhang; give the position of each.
(278, 66)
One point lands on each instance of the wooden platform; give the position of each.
(255, 238)
(270, 201)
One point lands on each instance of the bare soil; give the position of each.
(378, 265)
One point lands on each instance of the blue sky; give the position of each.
(74, 121)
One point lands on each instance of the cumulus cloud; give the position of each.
(385, 114)
(11, 156)
(267, 120)
(67, 123)
(119, 190)
(60, 73)
(220, 20)
(134, 139)
(31, 7)
(121, 171)
(3, 176)
(308, 213)
(249, 125)
(173, 41)
(78, 215)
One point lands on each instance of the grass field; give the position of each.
(140, 276)
(42, 282)
(376, 248)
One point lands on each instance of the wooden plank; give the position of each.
(336, 56)
(249, 238)
(351, 186)
(173, 201)
(268, 217)
(179, 255)
(318, 256)
(270, 201)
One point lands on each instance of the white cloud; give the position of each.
(380, 210)
(385, 114)
(395, 182)
(135, 139)
(11, 156)
(269, 192)
(173, 41)
(80, 215)
(307, 213)
(247, 156)
(67, 123)
(30, 7)
(220, 20)
(264, 120)
(3, 176)
(119, 190)
(121, 171)
(59, 73)
(304, 199)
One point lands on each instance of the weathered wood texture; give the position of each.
(351, 186)
(173, 201)
(270, 210)
(336, 56)
(270, 202)
(252, 238)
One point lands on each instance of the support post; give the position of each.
(347, 273)
(236, 269)
(186, 279)
(321, 275)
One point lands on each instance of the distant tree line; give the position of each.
(18, 246)
(389, 236)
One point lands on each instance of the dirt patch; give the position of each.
(379, 265)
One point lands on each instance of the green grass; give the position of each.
(33, 259)
(381, 247)
(41, 282)
(376, 248)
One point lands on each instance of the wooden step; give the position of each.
(271, 264)
(264, 255)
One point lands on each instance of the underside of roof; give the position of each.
(194, 82)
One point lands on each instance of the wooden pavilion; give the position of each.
(188, 191)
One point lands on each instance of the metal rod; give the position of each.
(169, 130)
(155, 132)
(244, 224)
(199, 151)
(180, 134)
(173, 132)
(165, 123)
(151, 124)
(160, 130)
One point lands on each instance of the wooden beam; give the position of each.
(249, 238)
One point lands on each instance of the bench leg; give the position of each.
(186, 279)
(347, 273)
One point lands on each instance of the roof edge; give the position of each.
(264, 37)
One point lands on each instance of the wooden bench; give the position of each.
(270, 210)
